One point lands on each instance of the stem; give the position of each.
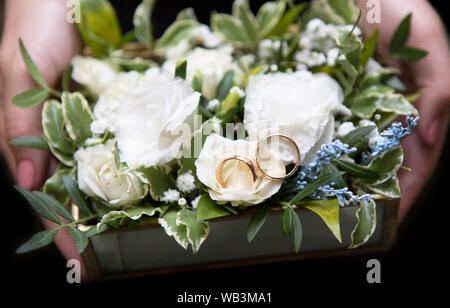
(54, 92)
(78, 221)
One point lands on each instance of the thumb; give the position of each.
(434, 107)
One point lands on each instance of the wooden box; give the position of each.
(146, 250)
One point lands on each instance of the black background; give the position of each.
(416, 262)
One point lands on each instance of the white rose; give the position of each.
(105, 109)
(96, 75)
(300, 105)
(212, 63)
(237, 177)
(98, 177)
(151, 117)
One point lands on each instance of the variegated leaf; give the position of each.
(169, 222)
(386, 165)
(177, 32)
(77, 117)
(389, 188)
(158, 178)
(142, 22)
(268, 16)
(367, 222)
(134, 213)
(196, 230)
(54, 131)
(230, 29)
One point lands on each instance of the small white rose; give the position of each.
(237, 178)
(300, 105)
(96, 75)
(98, 177)
(212, 63)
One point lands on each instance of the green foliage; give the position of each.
(208, 209)
(288, 18)
(54, 185)
(178, 31)
(356, 135)
(355, 169)
(142, 23)
(311, 187)
(366, 215)
(386, 165)
(30, 98)
(181, 68)
(39, 240)
(79, 238)
(99, 26)
(257, 221)
(75, 193)
(158, 179)
(328, 210)
(38, 205)
(398, 48)
(30, 142)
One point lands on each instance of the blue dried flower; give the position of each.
(343, 195)
(392, 135)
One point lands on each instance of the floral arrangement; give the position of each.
(286, 108)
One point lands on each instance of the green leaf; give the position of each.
(31, 67)
(256, 221)
(389, 188)
(397, 103)
(367, 221)
(241, 10)
(75, 193)
(328, 210)
(370, 47)
(288, 18)
(142, 23)
(386, 165)
(197, 82)
(187, 13)
(355, 169)
(228, 106)
(311, 187)
(66, 78)
(269, 16)
(158, 179)
(286, 221)
(196, 230)
(356, 135)
(179, 232)
(298, 233)
(38, 240)
(53, 127)
(208, 209)
(410, 54)
(30, 98)
(79, 238)
(134, 213)
(54, 186)
(230, 29)
(225, 85)
(340, 181)
(99, 26)
(365, 107)
(344, 8)
(395, 82)
(401, 35)
(178, 31)
(30, 142)
(180, 70)
(38, 205)
(77, 117)
(54, 204)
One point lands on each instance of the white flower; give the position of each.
(344, 129)
(152, 118)
(194, 202)
(96, 75)
(182, 202)
(239, 188)
(212, 105)
(105, 110)
(171, 195)
(300, 105)
(98, 177)
(186, 182)
(212, 64)
(310, 58)
(205, 36)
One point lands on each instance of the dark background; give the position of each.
(418, 259)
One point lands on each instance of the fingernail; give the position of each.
(434, 131)
(25, 174)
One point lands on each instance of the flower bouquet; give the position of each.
(286, 108)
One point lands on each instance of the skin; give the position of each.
(52, 41)
(430, 76)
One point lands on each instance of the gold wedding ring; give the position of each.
(246, 161)
(296, 162)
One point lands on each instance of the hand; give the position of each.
(51, 42)
(430, 76)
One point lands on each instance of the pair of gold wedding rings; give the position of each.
(254, 165)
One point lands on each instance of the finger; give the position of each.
(66, 247)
